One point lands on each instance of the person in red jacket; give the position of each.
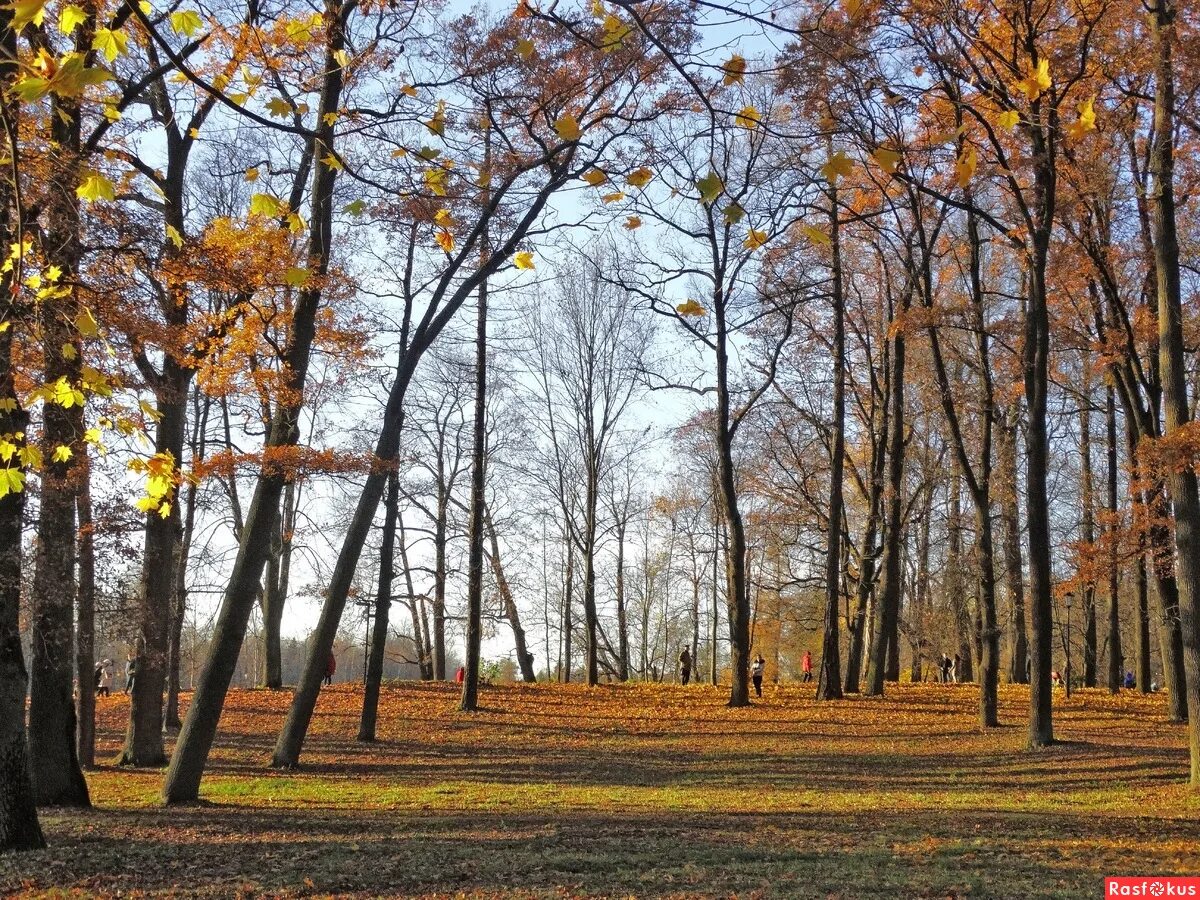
(460, 675)
(330, 668)
(806, 666)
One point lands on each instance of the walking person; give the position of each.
(330, 668)
(685, 666)
(806, 667)
(104, 679)
(957, 668)
(130, 672)
(944, 668)
(756, 673)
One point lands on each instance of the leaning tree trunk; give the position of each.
(524, 657)
(200, 727)
(383, 602)
(1172, 361)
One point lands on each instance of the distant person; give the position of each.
(330, 668)
(756, 673)
(130, 672)
(461, 675)
(1130, 681)
(104, 688)
(957, 668)
(944, 669)
(96, 676)
(1056, 678)
(1028, 669)
(1154, 686)
(806, 667)
(685, 666)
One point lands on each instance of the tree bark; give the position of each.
(1087, 489)
(524, 657)
(469, 701)
(85, 629)
(1116, 657)
(622, 618)
(1010, 522)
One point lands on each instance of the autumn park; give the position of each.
(600, 448)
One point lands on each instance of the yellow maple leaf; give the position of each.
(525, 48)
(445, 240)
(594, 177)
(640, 177)
(632, 223)
(734, 70)
(755, 239)
(614, 197)
(567, 127)
(1036, 80)
(438, 123)
(690, 308)
(1086, 121)
(838, 166)
(523, 259)
(444, 219)
(888, 160)
(749, 117)
(1008, 119)
(815, 235)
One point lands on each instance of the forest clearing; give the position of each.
(645, 790)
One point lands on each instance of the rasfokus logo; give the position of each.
(1152, 886)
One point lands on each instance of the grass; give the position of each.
(639, 790)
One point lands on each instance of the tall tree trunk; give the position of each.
(1116, 657)
(182, 783)
(1181, 479)
(564, 675)
(863, 590)
(829, 685)
(622, 618)
(590, 624)
(713, 664)
(272, 613)
(890, 587)
(57, 777)
(955, 583)
(383, 602)
(440, 530)
(1010, 522)
(19, 827)
(1087, 488)
(85, 629)
(470, 689)
(1143, 626)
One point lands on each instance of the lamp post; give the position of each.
(1070, 598)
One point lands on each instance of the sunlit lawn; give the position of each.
(645, 790)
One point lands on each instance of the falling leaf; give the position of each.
(640, 177)
(296, 277)
(755, 239)
(710, 187)
(594, 177)
(278, 107)
(332, 162)
(1086, 121)
(888, 160)
(614, 197)
(438, 123)
(690, 308)
(26, 11)
(1008, 119)
(111, 43)
(96, 187)
(186, 22)
(1036, 80)
(615, 32)
(435, 180)
(355, 207)
(852, 7)
(964, 168)
(525, 49)
(174, 236)
(523, 259)
(632, 223)
(70, 18)
(749, 117)
(445, 239)
(86, 325)
(252, 174)
(568, 128)
(265, 205)
(815, 235)
(734, 70)
(444, 219)
(838, 166)
(733, 214)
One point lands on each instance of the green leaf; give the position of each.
(710, 187)
(733, 214)
(297, 277)
(266, 205)
(31, 89)
(355, 208)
